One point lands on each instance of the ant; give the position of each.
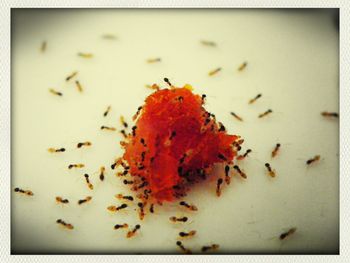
(43, 46)
(154, 87)
(128, 181)
(221, 127)
(137, 113)
(168, 82)
(125, 197)
(134, 130)
(242, 66)
(203, 98)
(254, 99)
(82, 201)
(211, 247)
(108, 128)
(237, 144)
(236, 116)
(118, 226)
(113, 208)
(265, 113)
(151, 208)
(79, 87)
(26, 192)
(208, 43)
(79, 165)
(330, 114)
(109, 36)
(124, 173)
(107, 111)
(272, 173)
(288, 233)
(275, 151)
(133, 232)
(178, 219)
(218, 187)
(116, 163)
(188, 234)
(53, 150)
(316, 158)
(102, 173)
(88, 181)
(81, 144)
(61, 200)
(123, 122)
(66, 225)
(240, 172)
(141, 212)
(241, 157)
(215, 71)
(71, 76)
(142, 140)
(190, 207)
(180, 245)
(222, 157)
(227, 175)
(123, 132)
(153, 60)
(56, 92)
(85, 55)
(142, 185)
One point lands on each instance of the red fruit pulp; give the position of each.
(175, 139)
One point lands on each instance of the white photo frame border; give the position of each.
(5, 139)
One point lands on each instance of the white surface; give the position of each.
(292, 60)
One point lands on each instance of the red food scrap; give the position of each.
(175, 142)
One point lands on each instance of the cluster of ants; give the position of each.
(143, 197)
(68, 78)
(146, 193)
(126, 198)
